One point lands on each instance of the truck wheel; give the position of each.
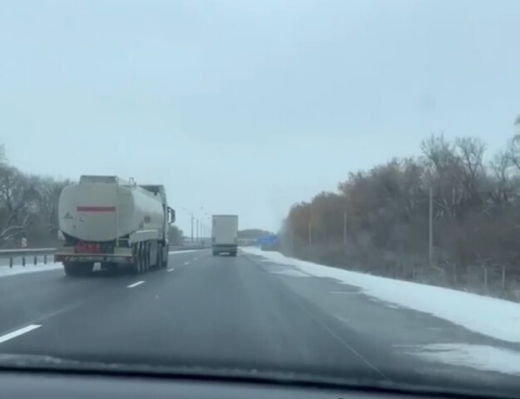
(162, 262)
(150, 264)
(87, 269)
(158, 259)
(146, 254)
(164, 257)
(73, 269)
(134, 259)
(111, 268)
(142, 265)
(165, 260)
(136, 267)
(148, 257)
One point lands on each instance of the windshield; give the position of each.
(324, 190)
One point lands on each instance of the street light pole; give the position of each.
(430, 229)
(192, 227)
(345, 229)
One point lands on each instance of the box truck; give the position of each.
(224, 234)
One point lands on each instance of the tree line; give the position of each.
(28, 207)
(446, 217)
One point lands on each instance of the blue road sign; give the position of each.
(268, 240)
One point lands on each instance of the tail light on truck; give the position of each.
(87, 248)
(92, 248)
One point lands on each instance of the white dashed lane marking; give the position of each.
(343, 292)
(17, 333)
(135, 284)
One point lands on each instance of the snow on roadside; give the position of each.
(184, 251)
(480, 357)
(6, 271)
(489, 316)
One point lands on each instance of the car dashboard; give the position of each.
(22, 385)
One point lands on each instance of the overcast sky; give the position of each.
(249, 106)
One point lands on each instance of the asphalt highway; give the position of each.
(222, 312)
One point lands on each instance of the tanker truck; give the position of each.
(118, 224)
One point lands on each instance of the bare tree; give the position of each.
(476, 214)
(502, 190)
(175, 235)
(28, 204)
(513, 149)
(443, 167)
(18, 197)
(471, 168)
(49, 191)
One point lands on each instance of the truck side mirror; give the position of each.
(171, 215)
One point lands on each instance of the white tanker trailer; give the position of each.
(118, 224)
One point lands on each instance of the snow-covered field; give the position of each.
(488, 316)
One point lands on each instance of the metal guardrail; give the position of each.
(28, 255)
(8, 252)
(33, 255)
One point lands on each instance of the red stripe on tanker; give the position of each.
(96, 208)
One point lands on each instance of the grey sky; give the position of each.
(246, 107)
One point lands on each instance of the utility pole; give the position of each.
(291, 232)
(192, 227)
(310, 232)
(430, 229)
(345, 228)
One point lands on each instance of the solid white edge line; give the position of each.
(136, 284)
(170, 270)
(18, 332)
(343, 292)
(185, 251)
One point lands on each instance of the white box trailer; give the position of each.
(224, 234)
(106, 220)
